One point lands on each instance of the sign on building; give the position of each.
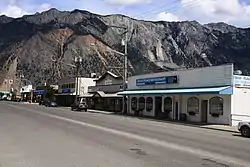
(241, 81)
(157, 80)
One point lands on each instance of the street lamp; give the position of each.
(78, 62)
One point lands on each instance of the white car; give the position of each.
(244, 128)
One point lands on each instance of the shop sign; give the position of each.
(108, 82)
(157, 80)
(68, 90)
(241, 81)
(39, 92)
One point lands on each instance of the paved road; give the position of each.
(36, 136)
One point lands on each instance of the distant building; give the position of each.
(26, 92)
(68, 86)
(104, 93)
(6, 86)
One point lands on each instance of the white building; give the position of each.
(26, 89)
(208, 95)
(68, 87)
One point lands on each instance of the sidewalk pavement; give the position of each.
(225, 128)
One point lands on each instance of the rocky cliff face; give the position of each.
(30, 42)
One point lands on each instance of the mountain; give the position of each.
(27, 45)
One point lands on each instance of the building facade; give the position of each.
(206, 95)
(104, 93)
(68, 87)
(26, 92)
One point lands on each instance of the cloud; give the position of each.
(205, 11)
(128, 2)
(13, 11)
(164, 16)
(12, 8)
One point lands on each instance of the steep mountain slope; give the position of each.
(32, 40)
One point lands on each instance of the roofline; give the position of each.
(189, 69)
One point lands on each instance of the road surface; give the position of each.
(36, 136)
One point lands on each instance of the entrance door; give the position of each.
(158, 106)
(176, 110)
(204, 111)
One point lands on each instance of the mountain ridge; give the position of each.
(152, 46)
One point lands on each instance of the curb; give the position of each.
(224, 130)
(107, 113)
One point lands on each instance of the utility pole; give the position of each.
(78, 62)
(125, 65)
(125, 75)
(125, 62)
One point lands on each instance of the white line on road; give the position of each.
(153, 141)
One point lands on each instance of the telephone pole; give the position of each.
(125, 63)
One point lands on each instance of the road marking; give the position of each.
(153, 141)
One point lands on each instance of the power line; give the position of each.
(174, 8)
(161, 6)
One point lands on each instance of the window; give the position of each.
(149, 104)
(134, 102)
(168, 104)
(142, 103)
(193, 105)
(216, 106)
(72, 85)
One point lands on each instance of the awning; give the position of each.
(107, 95)
(226, 90)
(64, 94)
(5, 92)
(87, 95)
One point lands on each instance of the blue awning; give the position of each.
(226, 90)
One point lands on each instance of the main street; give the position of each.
(36, 136)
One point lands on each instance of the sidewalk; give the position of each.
(224, 128)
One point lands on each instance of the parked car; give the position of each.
(79, 106)
(50, 104)
(244, 128)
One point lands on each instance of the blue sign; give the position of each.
(157, 81)
(39, 92)
(68, 90)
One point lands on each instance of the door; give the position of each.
(158, 106)
(176, 110)
(204, 111)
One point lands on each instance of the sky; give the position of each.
(234, 12)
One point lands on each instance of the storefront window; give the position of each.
(141, 103)
(193, 105)
(134, 102)
(168, 104)
(216, 106)
(149, 104)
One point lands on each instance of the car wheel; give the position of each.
(85, 109)
(245, 131)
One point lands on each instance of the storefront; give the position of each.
(70, 87)
(26, 93)
(207, 95)
(38, 95)
(105, 91)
